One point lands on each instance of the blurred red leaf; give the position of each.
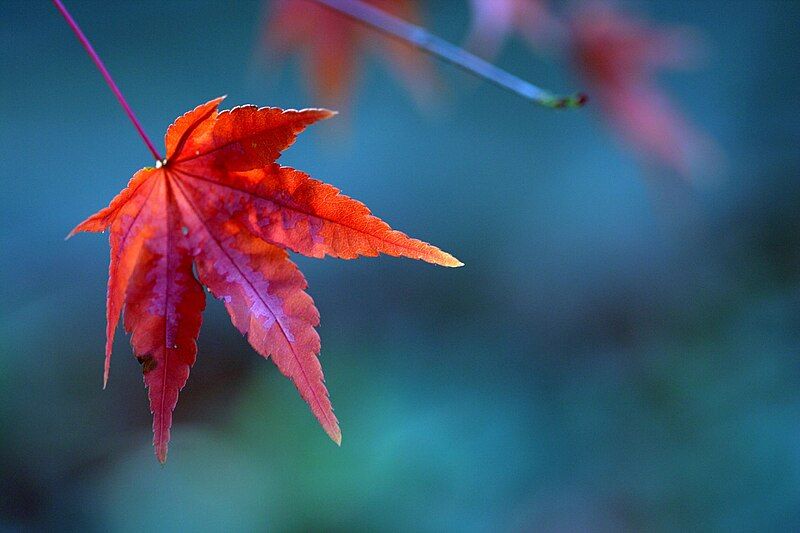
(620, 56)
(332, 44)
(220, 203)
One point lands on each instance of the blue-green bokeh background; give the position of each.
(621, 351)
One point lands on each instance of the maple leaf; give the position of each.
(332, 43)
(221, 204)
(619, 56)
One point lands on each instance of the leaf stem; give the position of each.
(424, 40)
(107, 76)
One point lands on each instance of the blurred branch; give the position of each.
(436, 46)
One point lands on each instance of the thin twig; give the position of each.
(424, 40)
(109, 80)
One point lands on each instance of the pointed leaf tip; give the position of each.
(450, 261)
(161, 455)
(107, 363)
(335, 435)
(442, 258)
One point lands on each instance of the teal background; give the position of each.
(620, 352)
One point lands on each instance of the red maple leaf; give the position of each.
(619, 57)
(220, 203)
(332, 43)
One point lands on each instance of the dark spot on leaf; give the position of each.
(147, 362)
